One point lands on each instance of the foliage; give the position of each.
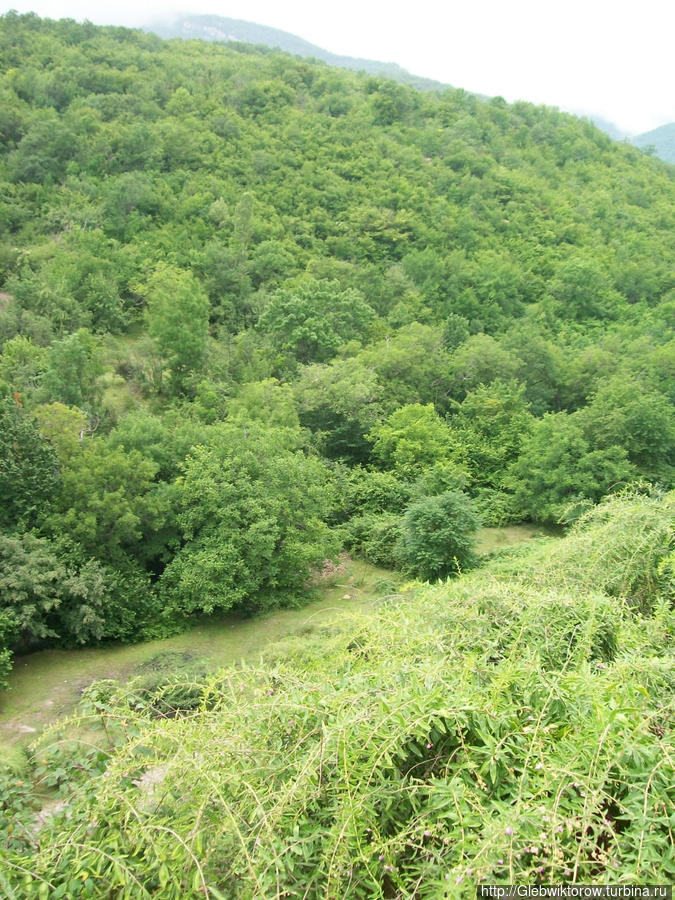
(72, 369)
(509, 726)
(437, 536)
(373, 537)
(42, 598)
(109, 503)
(490, 426)
(28, 466)
(637, 418)
(619, 547)
(177, 317)
(251, 510)
(339, 402)
(412, 439)
(310, 321)
(557, 473)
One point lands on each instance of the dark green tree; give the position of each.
(29, 475)
(437, 536)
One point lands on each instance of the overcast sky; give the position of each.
(604, 57)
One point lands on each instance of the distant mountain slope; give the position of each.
(662, 139)
(219, 28)
(605, 125)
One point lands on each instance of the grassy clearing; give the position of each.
(490, 540)
(47, 685)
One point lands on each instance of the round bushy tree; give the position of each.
(437, 536)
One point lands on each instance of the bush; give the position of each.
(437, 536)
(620, 547)
(374, 538)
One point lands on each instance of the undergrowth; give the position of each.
(511, 726)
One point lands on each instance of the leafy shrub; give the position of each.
(618, 547)
(437, 536)
(373, 537)
(375, 492)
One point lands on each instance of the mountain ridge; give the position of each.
(662, 139)
(228, 30)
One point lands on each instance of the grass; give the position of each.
(47, 685)
(490, 540)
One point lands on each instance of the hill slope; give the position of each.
(256, 310)
(662, 139)
(220, 28)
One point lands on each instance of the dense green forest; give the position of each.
(255, 311)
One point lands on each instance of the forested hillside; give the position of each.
(661, 141)
(220, 28)
(255, 310)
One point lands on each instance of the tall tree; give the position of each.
(178, 319)
(29, 474)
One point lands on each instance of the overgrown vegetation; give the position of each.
(253, 309)
(509, 726)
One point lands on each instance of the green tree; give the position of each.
(29, 475)
(557, 474)
(73, 368)
(628, 414)
(437, 536)
(412, 439)
(42, 599)
(110, 505)
(310, 321)
(22, 364)
(339, 403)
(582, 289)
(63, 426)
(413, 364)
(267, 401)
(164, 440)
(252, 516)
(178, 319)
(491, 425)
(480, 360)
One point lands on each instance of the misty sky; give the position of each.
(603, 57)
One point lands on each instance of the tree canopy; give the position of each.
(254, 309)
